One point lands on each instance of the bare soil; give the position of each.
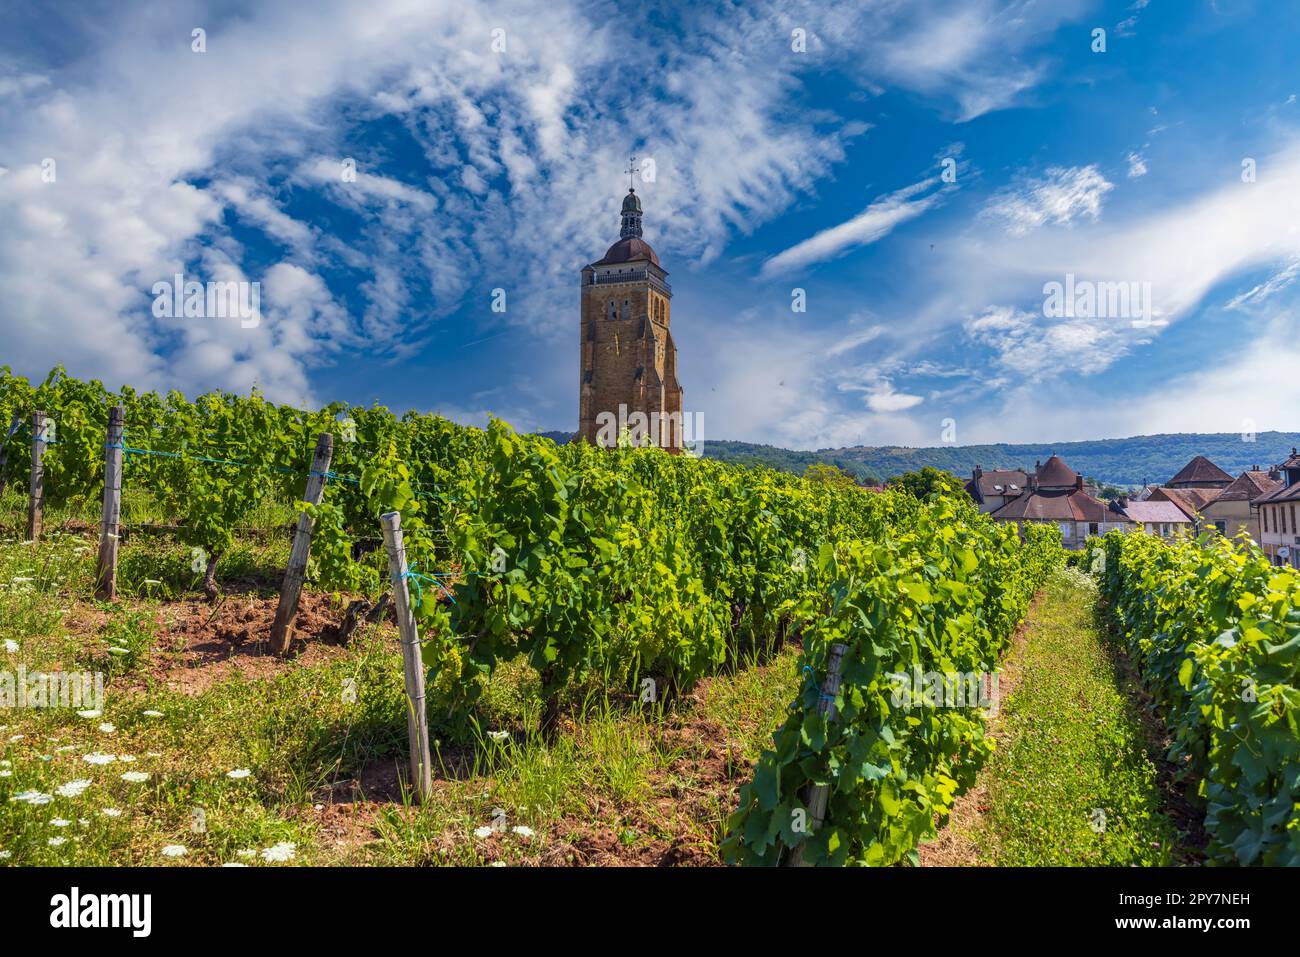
(202, 642)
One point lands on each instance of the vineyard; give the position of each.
(563, 594)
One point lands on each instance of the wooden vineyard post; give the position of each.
(36, 487)
(110, 525)
(417, 720)
(287, 610)
(819, 794)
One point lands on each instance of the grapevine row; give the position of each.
(1215, 629)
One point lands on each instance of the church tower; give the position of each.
(628, 359)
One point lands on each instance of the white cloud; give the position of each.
(1058, 198)
(883, 398)
(872, 224)
(1270, 287)
(1030, 347)
(1137, 165)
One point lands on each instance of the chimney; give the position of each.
(979, 470)
(1078, 481)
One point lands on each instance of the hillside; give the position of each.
(1129, 461)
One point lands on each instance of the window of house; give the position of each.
(1092, 528)
(1221, 527)
(1293, 525)
(1263, 517)
(1065, 529)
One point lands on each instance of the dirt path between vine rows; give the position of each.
(1079, 774)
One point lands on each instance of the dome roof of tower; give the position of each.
(1056, 474)
(629, 249)
(631, 202)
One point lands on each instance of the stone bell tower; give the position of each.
(628, 359)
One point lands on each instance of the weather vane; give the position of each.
(631, 168)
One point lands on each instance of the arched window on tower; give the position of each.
(611, 310)
(627, 309)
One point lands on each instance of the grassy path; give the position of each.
(1077, 777)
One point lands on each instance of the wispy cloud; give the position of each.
(872, 224)
(1057, 198)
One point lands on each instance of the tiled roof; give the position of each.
(1247, 487)
(1200, 469)
(1283, 493)
(1155, 512)
(1066, 505)
(1190, 500)
(1054, 473)
(629, 249)
(1292, 462)
(1011, 482)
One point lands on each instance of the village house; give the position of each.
(1233, 510)
(1161, 518)
(1055, 494)
(1213, 499)
(991, 490)
(1279, 533)
(1196, 485)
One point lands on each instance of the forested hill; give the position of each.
(1131, 461)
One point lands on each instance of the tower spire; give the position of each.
(631, 207)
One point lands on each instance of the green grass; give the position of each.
(304, 732)
(1074, 778)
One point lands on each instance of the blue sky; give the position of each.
(774, 169)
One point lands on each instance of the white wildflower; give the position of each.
(174, 850)
(107, 728)
(111, 812)
(523, 830)
(484, 831)
(89, 715)
(11, 646)
(60, 822)
(279, 853)
(135, 777)
(152, 714)
(238, 774)
(73, 788)
(32, 797)
(98, 758)
(57, 841)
